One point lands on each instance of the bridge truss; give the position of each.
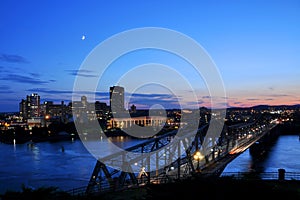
(171, 156)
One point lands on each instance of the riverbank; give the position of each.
(211, 188)
(196, 187)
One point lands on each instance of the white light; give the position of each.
(83, 37)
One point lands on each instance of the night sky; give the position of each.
(255, 46)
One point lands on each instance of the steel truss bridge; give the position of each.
(169, 157)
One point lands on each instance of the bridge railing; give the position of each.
(110, 187)
(80, 191)
(103, 188)
(262, 175)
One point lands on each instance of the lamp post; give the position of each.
(198, 156)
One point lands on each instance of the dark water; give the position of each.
(44, 164)
(284, 153)
(67, 164)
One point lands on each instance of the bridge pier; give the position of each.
(281, 174)
(263, 144)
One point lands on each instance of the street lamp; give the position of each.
(198, 156)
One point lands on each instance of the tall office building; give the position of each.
(33, 105)
(23, 108)
(116, 99)
(30, 107)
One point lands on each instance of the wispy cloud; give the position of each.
(152, 101)
(18, 75)
(13, 58)
(81, 72)
(34, 74)
(216, 97)
(23, 79)
(278, 95)
(222, 105)
(192, 103)
(49, 91)
(147, 100)
(252, 99)
(151, 96)
(5, 89)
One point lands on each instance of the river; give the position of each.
(68, 164)
(283, 153)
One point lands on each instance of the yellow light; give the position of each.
(195, 157)
(198, 156)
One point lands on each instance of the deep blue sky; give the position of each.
(254, 44)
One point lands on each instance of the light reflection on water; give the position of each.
(64, 164)
(284, 153)
(68, 164)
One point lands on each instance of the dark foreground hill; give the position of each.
(214, 188)
(194, 188)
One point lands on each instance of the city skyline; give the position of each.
(254, 45)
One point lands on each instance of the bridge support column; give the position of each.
(178, 160)
(281, 174)
(149, 168)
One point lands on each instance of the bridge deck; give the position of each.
(214, 163)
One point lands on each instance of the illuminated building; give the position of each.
(30, 107)
(116, 99)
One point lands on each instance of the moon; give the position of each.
(83, 37)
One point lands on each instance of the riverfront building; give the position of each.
(30, 107)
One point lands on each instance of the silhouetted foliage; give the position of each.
(42, 193)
